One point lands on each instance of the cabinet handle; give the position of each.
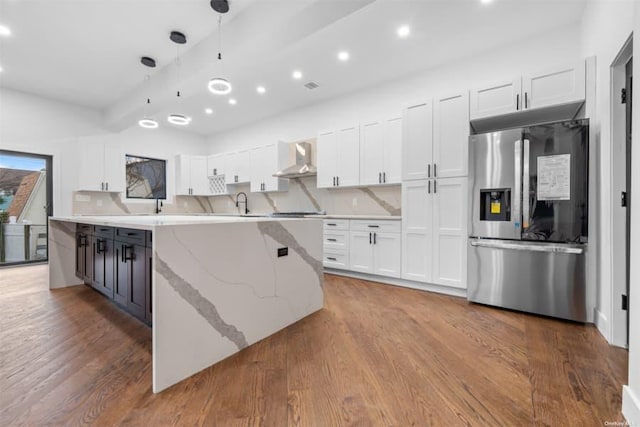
(126, 258)
(526, 100)
(373, 226)
(236, 178)
(369, 238)
(374, 238)
(332, 240)
(379, 177)
(82, 240)
(215, 171)
(429, 187)
(102, 186)
(330, 258)
(332, 224)
(100, 246)
(435, 190)
(429, 170)
(517, 101)
(384, 177)
(106, 185)
(435, 174)
(338, 181)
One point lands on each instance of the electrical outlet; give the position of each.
(99, 203)
(355, 201)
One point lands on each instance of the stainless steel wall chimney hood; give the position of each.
(303, 166)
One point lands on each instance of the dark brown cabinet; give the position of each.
(84, 253)
(117, 263)
(103, 256)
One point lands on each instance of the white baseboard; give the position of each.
(446, 290)
(602, 323)
(630, 406)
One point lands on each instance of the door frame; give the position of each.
(618, 227)
(49, 195)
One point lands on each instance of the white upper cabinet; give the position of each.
(192, 176)
(339, 158)
(264, 162)
(371, 155)
(555, 86)
(101, 166)
(326, 158)
(216, 164)
(495, 99)
(417, 141)
(381, 151)
(348, 157)
(450, 136)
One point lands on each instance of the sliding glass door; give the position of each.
(25, 205)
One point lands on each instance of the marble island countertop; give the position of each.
(149, 222)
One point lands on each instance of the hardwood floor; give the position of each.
(376, 355)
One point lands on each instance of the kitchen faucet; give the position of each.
(158, 206)
(246, 204)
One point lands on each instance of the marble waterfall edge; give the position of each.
(218, 288)
(62, 254)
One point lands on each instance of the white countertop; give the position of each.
(149, 222)
(372, 217)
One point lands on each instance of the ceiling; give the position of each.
(87, 52)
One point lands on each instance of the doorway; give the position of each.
(25, 206)
(620, 201)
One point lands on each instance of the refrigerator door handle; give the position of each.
(546, 247)
(517, 196)
(525, 185)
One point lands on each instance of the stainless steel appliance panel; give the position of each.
(561, 219)
(495, 162)
(542, 278)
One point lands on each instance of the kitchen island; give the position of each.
(217, 283)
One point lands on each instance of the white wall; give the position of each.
(606, 26)
(33, 124)
(631, 395)
(559, 47)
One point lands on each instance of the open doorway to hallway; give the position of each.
(621, 101)
(25, 205)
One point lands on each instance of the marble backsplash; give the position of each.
(303, 195)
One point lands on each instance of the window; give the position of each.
(146, 178)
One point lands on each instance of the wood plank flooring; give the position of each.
(377, 355)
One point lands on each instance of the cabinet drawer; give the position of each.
(336, 259)
(336, 240)
(84, 228)
(131, 235)
(389, 226)
(336, 224)
(104, 231)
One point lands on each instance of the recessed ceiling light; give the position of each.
(208, 111)
(4, 31)
(232, 101)
(261, 90)
(1, 69)
(486, 1)
(297, 74)
(343, 56)
(404, 31)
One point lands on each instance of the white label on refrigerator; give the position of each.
(554, 177)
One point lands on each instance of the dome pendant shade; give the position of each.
(148, 123)
(220, 6)
(219, 86)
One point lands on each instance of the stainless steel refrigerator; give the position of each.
(529, 218)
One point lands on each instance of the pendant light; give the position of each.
(178, 119)
(219, 85)
(146, 121)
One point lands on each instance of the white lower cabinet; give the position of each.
(375, 247)
(434, 231)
